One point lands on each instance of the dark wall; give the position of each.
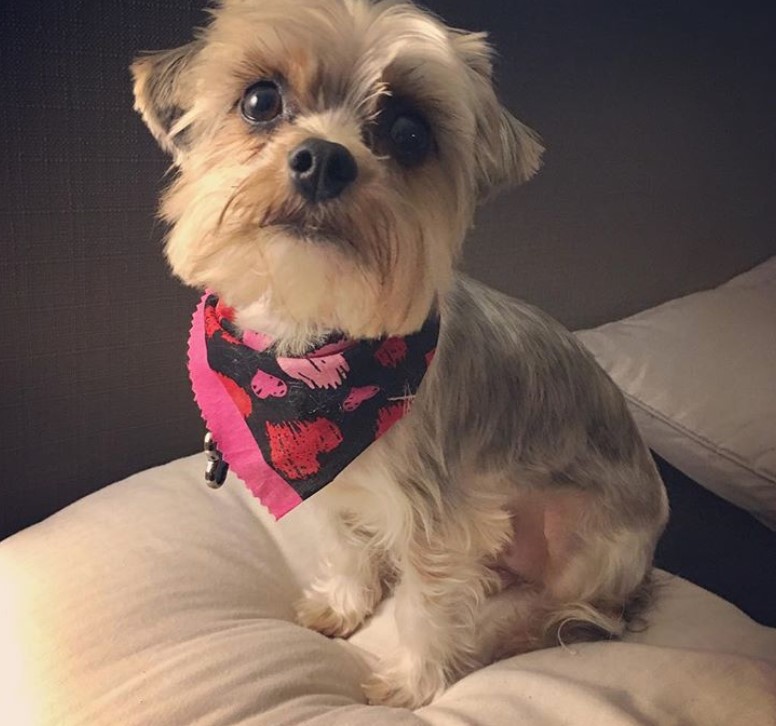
(660, 122)
(93, 331)
(660, 177)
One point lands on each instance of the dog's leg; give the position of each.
(510, 622)
(350, 587)
(442, 585)
(435, 618)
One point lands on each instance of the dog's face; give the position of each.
(330, 155)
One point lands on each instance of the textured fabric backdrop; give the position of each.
(93, 330)
(659, 180)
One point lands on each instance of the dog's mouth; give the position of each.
(306, 231)
(309, 233)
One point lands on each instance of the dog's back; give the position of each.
(516, 409)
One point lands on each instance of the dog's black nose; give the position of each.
(321, 169)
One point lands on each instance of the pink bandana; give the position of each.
(289, 426)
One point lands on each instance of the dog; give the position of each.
(330, 156)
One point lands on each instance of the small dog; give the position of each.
(330, 155)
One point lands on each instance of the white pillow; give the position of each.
(699, 374)
(157, 601)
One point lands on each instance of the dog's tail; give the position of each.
(546, 623)
(579, 622)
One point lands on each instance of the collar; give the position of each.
(288, 426)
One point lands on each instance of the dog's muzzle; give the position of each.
(321, 170)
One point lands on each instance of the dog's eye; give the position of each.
(410, 139)
(262, 102)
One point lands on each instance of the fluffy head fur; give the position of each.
(377, 259)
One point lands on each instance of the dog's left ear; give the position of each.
(507, 151)
(511, 153)
(163, 94)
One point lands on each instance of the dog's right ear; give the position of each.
(163, 93)
(507, 152)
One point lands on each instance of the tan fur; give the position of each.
(498, 531)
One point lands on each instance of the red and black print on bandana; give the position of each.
(311, 416)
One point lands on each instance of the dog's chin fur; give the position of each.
(514, 506)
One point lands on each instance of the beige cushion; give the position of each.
(699, 374)
(158, 602)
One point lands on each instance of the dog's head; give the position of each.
(330, 154)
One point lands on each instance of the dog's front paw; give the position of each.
(315, 613)
(336, 607)
(405, 682)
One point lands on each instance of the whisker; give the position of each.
(239, 189)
